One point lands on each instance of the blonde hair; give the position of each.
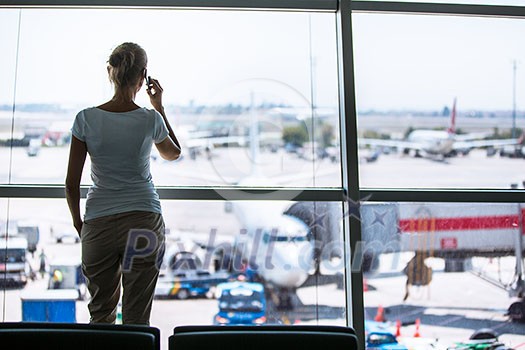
(127, 61)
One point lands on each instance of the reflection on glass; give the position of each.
(244, 98)
(296, 272)
(442, 271)
(435, 101)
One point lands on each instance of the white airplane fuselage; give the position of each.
(434, 142)
(276, 245)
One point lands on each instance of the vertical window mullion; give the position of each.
(349, 164)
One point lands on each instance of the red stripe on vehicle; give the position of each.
(523, 220)
(461, 223)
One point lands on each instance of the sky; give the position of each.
(429, 60)
(196, 55)
(401, 61)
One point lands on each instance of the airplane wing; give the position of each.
(485, 143)
(213, 141)
(471, 136)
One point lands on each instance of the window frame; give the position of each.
(350, 192)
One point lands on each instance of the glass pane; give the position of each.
(41, 240)
(8, 43)
(435, 101)
(437, 273)
(207, 243)
(230, 79)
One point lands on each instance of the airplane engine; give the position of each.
(324, 221)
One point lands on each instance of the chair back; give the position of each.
(56, 336)
(270, 337)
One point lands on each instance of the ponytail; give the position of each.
(127, 61)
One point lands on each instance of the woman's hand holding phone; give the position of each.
(154, 91)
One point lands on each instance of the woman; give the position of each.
(118, 135)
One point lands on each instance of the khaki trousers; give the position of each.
(107, 243)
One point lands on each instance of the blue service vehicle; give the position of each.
(189, 284)
(241, 303)
(378, 336)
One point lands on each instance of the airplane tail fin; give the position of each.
(452, 127)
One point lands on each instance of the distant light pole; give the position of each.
(514, 99)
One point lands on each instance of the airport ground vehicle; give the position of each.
(379, 336)
(189, 284)
(63, 235)
(34, 147)
(31, 232)
(67, 274)
(512, 151)
(13, 263)
(452, 231)
(28, 230)
(241, 303)
(383, 340)
(482, 339)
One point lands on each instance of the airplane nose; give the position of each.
(292, 263)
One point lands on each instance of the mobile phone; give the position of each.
(147, 78)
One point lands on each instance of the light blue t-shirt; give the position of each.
(119, 145)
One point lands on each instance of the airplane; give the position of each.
(440, 143)
(278, 247)
(281, 241)
(197, 142)
(275, 248)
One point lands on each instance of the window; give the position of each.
(253, 105)
(207, 243)
(457, 108)
(443, 270)
(275, 104)
(278, 83)
(426, 219)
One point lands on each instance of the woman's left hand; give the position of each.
(155, 94)
(78, 227)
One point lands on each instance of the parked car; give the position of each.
(379, 336)
(241, 303)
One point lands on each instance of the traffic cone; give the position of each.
(398, 328)
(416, 333)
(380, 316)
